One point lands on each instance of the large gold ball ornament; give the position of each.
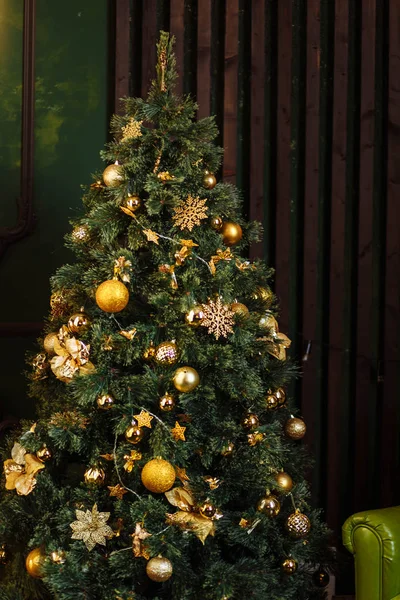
(57, 557)
(186, 379)
(207, 510)
(195, 316)
(95, 476)
(105, 401)
(166, 353)
(44, 454)
(271, 402)
(79, 323)
(284, 481)
(3, 554)
(216, 223)
(159, 569)
(250, 421)
(231, 233)
(112, 296)
(134, 434)
(298, 524)
(49, 341)
(269, 505)
(290, 566)
(132, 203)
(80, 234)
(112, 175)
(209, 180)
(228, 449)
(34, 563)
(158, 475)
(321, 578)
(239, 309)
(295, 428)
(167, 402)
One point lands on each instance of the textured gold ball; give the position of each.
(280, 395)
(231, 233)
(269, 505)
(289, 566)
(167, 402)
(209, 180)
(284, 481)
(267, 321)
(44, 454)
(134, 434)
(34, 563)
(3, 555)
(58, 557)
(295, 428)
(79, 323)
(250, 421)
(271, 402)
(186, 379)
(207, 510)
(95, 476)
(132, 203)
(195, 316)
(105, 401)
(216, 223)
(159, 569)
(166, 353)
(228, 449)
(158, 475)
(240, 309)
(112, 296)
(298, 524)
(112, 175)
(48, 342)
(80, 234)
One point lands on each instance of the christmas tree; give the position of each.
(165, 460)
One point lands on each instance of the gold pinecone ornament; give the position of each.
(298, 525)
(159, 569)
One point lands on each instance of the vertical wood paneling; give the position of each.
(203, 57)
(163, 15)
(177, 29)
(135, 48)
(149, 39)
(190, 48)
(230, 86)
(218, 28)
(122, 57)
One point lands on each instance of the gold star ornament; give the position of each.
(144, 419)
(117, 491)
(91, 527)
(152, 236)
(178, 432)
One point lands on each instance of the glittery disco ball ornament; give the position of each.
(186, 379)
(112, 175)
(158, 475)
(166, 353)
(298, 524)
(159, 569)
(112, 296)
(80, 234)
(95, 476)
(79, 323)
(34, 563)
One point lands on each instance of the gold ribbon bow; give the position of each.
(72, 357)
(221, 255)
(120, 267)
(277, 342)
(21, 469)
(186, 518)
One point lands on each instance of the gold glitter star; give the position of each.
(129, 335)
(218, 318)
(190, 212)
(117, 490)
(91, 527)
(213, 482)
(107, 456)
(188, 243)
(181, 474)
(152, 236)
(130, 460)
(178, 432)
(144, 419)
(244, 523)
(132, 130)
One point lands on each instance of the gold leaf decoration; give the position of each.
(21, 469)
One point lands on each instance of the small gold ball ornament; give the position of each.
(295, 428)
(105, 401)
(49, 341)
(321, 578)
(166, 353)
(209, 180)
(195, 316)
(132, 203)
(158, 475)
(269, 505)
(159, 569)
(228, 449)
(298, 524)
(280, 395)
(79, 323)
(95, 476)
(34, 563)
(167, 402)
(57, 557)
(250, 421)
(112, 296)
(290, 566)
(44, 454)
(216, 223)
(231, 233)
(186, 379)
(112, 175)
(80, 234)
(271, 402)
(207, 510)
(3, 554)
(134, 434)
(284, 481)
(240, 309)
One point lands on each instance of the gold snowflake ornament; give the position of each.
(91, 527)
(132, 130)
(218, 318)
(190, 212)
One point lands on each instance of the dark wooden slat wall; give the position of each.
(307, 98)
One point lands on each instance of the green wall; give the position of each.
(71, 124)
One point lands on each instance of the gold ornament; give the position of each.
(207, 510)
(138, 537)
(48, 342)
(276, 342)
(195, 316)
(269, 505)
(186, 518)
(268, 321)
(165, 176)
(97, 185)
(159, 569)
(209, 180)
(298, 524)
(117, 491)
(228, 449)
(91, 527)
(186, 379)
(34, 563)
(152, 236)
(178, 432)
(158, 475)
(250, 421)
(130, 205)
(40, 366)
(280, 395)
(255, 438)
(79, 323)
(143, 419)
(271, 402)
(128, 335)
(57, 557)
(107, 456)
(3, 554)
(262, 294)
(72, 357)
(284, 481)
(295, 428)
(231, 233)
(134, 434)
(21, 470)
(149, 353)
(289, 566)
(218, 318)
(216, 258)
(166, 353)
(321, 578)
(190, 212)
(112, 296)
(244, 523)
(105, 401)
(167, 402)
(216, 223)
(130, 460)
(95, 476)
(122, 269)
(44, 454)
(239, 309)
(113, 175)
(59, 304)
(181, 474)
(132, 130)
(80, 234)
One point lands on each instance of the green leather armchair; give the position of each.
(374, 539)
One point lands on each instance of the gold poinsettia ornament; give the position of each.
(21, 469)
(91, 527)
(186, 518)
(72, 357)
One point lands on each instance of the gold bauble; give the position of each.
(240, 309)
(48, 342)
(250, 421)
(112, 175)
(195, 316)
(209, 180)
(166, 353)
(280, 395)
(149, 353)
(267, 321)
(167, 402)
(228, 449)
(159, 569)
(95, 476)
(134, 434)
(295, 428)
(271, 402)
(321, 578)
(298, 524)
(105, 401)
(44, 454)
(58, 557)
(3, 554)
(186, 379)
(262, 293)
(231, 233)
(284, 481)
(132, 203)
(289, 566)
(79, 323)
(207, 510)
(80, 234)
(34, 563)
(216, 223)
(158, 475)
(112, 296)
(39, 362)
(269, 505)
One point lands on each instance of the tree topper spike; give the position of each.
(165, 60)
